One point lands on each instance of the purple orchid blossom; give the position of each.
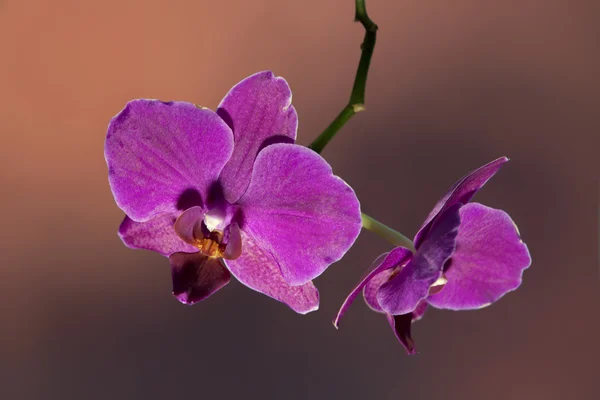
(467, 257)
(228, 193)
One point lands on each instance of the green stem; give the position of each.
(392, 236)
(357, 104)
(357, 97)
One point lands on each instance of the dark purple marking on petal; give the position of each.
(216, 196)
(195, 276)
(189, 225)
(156, 234)
(488, 262)
(188, 199)
(158, 154)
(461, 192)
(258, 110)
(384, 262)
(233, 249)
(299, 211)
(276, 139)
(402, 293)
(257, 269)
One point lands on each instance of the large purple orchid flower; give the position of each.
(467, 256)
(228, 192)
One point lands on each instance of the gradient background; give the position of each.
(453, 84)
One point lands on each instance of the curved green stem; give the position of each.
(357, 104)
(357, 97)
(392, 236)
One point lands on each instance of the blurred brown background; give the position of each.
(454, 84)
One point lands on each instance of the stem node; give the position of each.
(358, 107)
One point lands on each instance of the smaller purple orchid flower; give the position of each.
(467, 257)
(229, 193)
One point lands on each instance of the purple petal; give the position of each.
(305, 216)
(259, 111)
(384, 262)
(488, 262)
(195, 276)
(156, 234)
(233, 249)
(258, 270)
(189, 224)
(461, 192)
(402, 293)
(158, 153)
(372, 287)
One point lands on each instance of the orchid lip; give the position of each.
(210, 232)
(216, 244)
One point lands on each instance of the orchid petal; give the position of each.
(372, 287)
(461, 192)
(189, 224)
(488, 262)
(305, 216)
(158, 152)
(401, 294)
(257, 269)
(233, 250)
(384, 262)
(258, 109)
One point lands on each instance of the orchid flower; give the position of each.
(229, 193)
(465, 256)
